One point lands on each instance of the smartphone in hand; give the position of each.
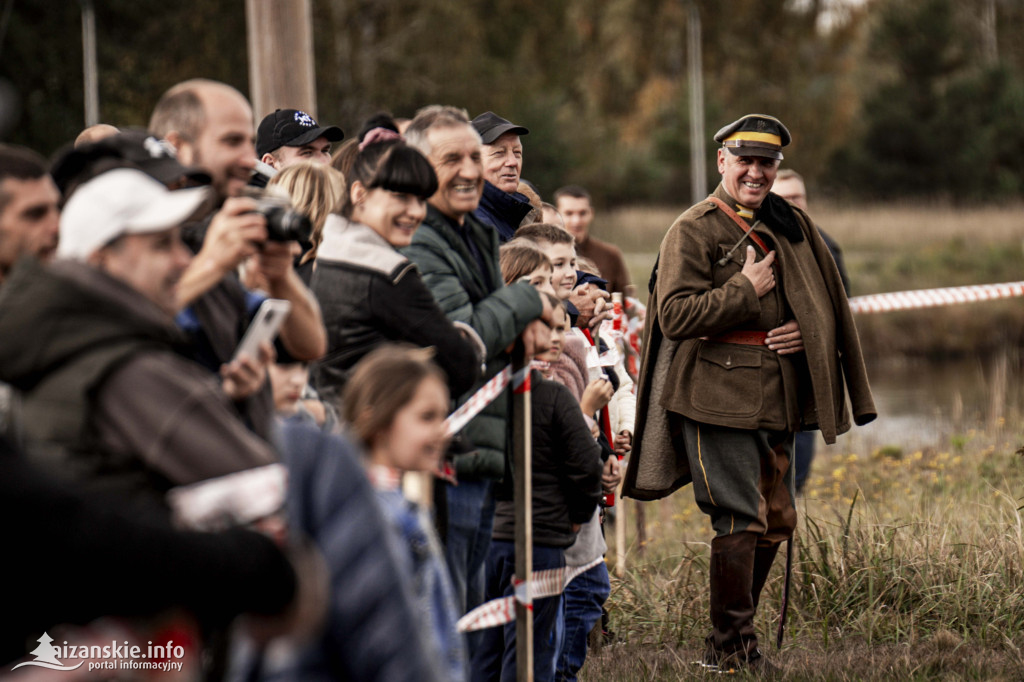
(264, 326)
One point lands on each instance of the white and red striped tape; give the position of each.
(484, 396)
(930, 298)
(503, 610)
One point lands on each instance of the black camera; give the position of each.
(284, 224)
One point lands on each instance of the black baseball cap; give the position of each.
(491, 127)
(291, 128)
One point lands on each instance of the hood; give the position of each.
(49, 315)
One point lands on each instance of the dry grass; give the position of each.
(909, 567)
(909, 226)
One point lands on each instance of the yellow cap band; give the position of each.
(751, 136)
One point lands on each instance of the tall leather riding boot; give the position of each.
(764, 557)
(732, 604)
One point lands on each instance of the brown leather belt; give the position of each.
(744, 338)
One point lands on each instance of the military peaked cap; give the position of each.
(755, 135)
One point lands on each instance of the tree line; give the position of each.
(886, 99)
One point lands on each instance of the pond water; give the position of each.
(922, 404)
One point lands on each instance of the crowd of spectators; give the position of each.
(266, 487)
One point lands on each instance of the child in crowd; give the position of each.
(316, 190)
(584, 597)
(588, 304)
(521, 259)
(566, 488)
(395, 404)
(295, 400)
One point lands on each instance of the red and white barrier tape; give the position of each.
(503, 610)
(930, 298)
(484, 396)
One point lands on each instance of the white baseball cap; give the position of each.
(121, 201)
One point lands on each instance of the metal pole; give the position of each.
(91, 80)
(698, 176)
(522, 475)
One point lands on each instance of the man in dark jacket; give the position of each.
(125, 566)
(29, 220)
(458, 258)
(744, 347)
(501, 206)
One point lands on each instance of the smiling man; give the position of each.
(501, 206)
(748, 338)
(458, 257)
(209, 124)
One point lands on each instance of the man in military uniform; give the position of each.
(749, 334)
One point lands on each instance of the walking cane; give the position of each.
(785, 593)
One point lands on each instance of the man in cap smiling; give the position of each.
(501, 206)
(749, 336)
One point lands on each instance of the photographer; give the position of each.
(210, 126)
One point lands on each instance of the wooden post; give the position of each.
(620, 534)
(280, 41)
(521, 452)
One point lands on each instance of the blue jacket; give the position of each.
(371, 631)
(502, 210)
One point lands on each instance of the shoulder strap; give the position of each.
(740, 223)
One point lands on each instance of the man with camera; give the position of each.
(210, 124)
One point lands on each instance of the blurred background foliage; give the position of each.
(918, 99)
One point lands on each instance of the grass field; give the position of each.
(909, 567)
(910, 557)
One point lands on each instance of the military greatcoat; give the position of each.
(698, 293)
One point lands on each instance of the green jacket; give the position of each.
(497, 313)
